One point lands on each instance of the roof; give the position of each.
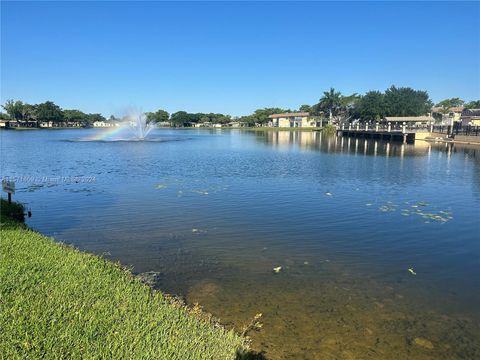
(471, 112)
(457, 109)
(298, 114)
(409, 118)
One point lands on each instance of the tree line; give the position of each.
(46, 112)
(332, 105)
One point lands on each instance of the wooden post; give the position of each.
(9, 198)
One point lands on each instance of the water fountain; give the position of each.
(138, 122)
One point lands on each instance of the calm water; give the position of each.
(213, 212)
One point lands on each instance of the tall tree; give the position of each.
(371, 106)
(157, 116)
(405, 101)
(305, 108)
(48, 111)
(180, 118)
(474, 104)
(330, 103)
(75, 116)
(449, 103)
(15, 109)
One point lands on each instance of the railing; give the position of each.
(456, 129)
(389, 127)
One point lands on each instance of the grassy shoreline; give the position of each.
(59, 302)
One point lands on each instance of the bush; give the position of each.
(14, 211)
(329, 129)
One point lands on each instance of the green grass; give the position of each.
(58, 302)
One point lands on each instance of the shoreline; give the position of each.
(95, 306)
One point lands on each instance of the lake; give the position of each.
(212, 212)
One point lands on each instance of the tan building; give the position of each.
(471, 117)
(454, 113)
(292, 120)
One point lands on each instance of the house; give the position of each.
(236, 124)
(470, 117)
(46, 124)
(454, 113)
(412, 121)
(99, 124)
(296, 119)
(107, 123)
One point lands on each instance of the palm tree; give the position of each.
(331, 102)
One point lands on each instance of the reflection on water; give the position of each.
(345, 219)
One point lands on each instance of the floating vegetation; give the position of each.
(201, 192)
(277, 269)
(411, 271)
(199, 231)
(405, 212)
(416, 209)
(387, 208)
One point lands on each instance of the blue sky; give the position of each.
(233, 57)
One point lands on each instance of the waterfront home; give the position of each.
(46, 124)
(471, 117)
(292, 120)
(18, 124)
(236, 124)
(106, 123)
(411, 121)
(454, 114)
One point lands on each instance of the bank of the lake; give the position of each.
(59, 302)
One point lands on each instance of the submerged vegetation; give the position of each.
(58, 302)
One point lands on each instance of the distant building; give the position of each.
(471, 117)
(106, 123)
(46, 124)
(289, 120)
(454, 113)
(236, 124)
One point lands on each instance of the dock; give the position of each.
(402, 133)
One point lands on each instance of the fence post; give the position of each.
(403, 127)
(389, 127)
(376, 126)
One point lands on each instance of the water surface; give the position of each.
(213, 212)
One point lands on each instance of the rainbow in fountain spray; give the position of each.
(133, 127)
